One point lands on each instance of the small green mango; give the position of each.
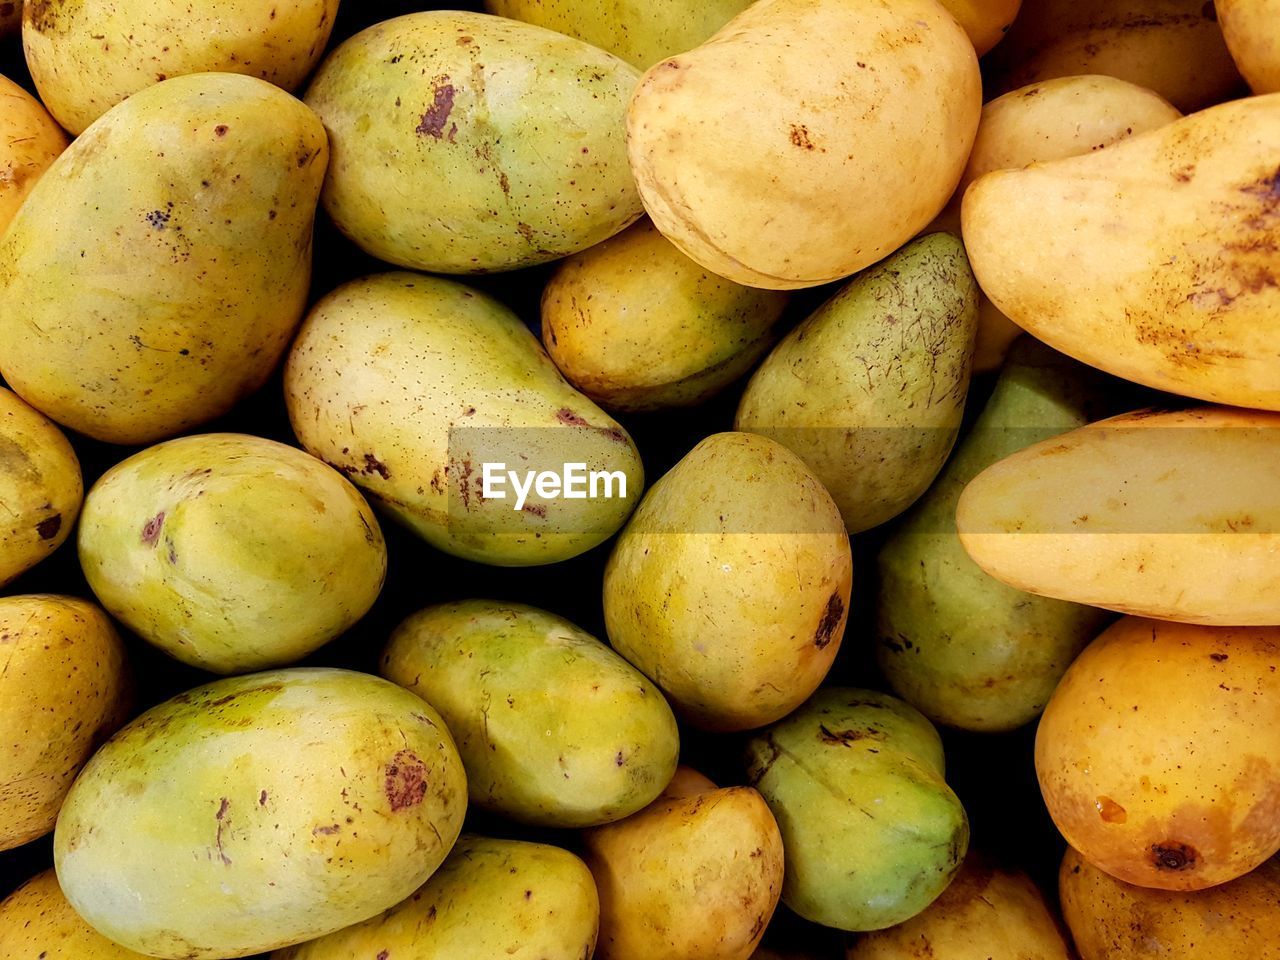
(258, 812)
(872, 832)
(870, 390)
(959, 645)
(554, 728)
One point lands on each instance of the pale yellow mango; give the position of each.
(37, 921)
(1250, 29)
(30, 140)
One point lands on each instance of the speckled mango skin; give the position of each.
(1157, 756)
(490, 898)
(37, 921)
(466, 143)
(154, 275)
(64, 687)
(1248, 26)
(230, 552)
(214, 824)
(30, 140)
(554, 728)
(869, 391)
(729, 588)
(871, 830)
(406, 383)
(88, 55)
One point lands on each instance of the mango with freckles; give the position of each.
(30, 140)
(37, 921)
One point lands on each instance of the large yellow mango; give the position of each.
(1250, 29)
(30, 140)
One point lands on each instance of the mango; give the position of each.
(1157, 755)
(729, 587)
(216, 823)
(985, 21)
(636, 325)
(230, 552)
(871, 830)
(156, 272)
(410, 385)
(490, 898)
(766, 153)
(86, 56)
(696, 875)
(1248, 26)
(554, 728)
(1111, 920)
(37, 921)
(1173, 515)
(465, 143)
(869, 391)
(30, 140)
(64, 688)
(962, 647)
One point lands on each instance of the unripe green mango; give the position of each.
(554, 728)
(870, 390)
(156, 272)
(410, 384)
(258, 812)
(465, 143)
(962, 647)
(872, 832)
(37, 922)
(230, 552)
(490, 899)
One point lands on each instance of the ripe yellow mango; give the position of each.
(1249, 27)
(985, 21)
(30, 140)
(37, 921)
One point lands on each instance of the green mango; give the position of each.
(554, 728)
(230, 552)
(490, 899)
(410, 385)
(872, 832)
(729, 588)
(959, 645)
(258, 812)
(869, 391)
(465, 143)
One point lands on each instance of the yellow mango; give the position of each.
(36, 921)
(985, 21)
(30, 140)
(1249, 27)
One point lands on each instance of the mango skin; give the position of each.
(213, 824)
(729, 587)
(1173, 515)
(985, 21)
(1145, 691)
(869, 391)
(1111, 920)
(65, 686)
(154, 275)
(1248, 26)
(465, 143)
(83, 65)
(871, 830)
(554, 728)
(407, 384)
(37, 921)
(229, 552)
(30, 140)
(490, 898)
(636, 325)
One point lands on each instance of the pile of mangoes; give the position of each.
(956, 418)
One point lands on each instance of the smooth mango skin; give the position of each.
(154, 275)
(554, 728)
(962, 647)
(985, 21)
(766, 153)
(465, 143)
(490, 898)
(729, 587)
(64, 687)
(86, 56)
(30, 140)
(409, 384)
(1171, 515)
(36, 921)
(1147, 691)
(1111, 920)
(985, 913)
(871, 830)
(1249, 28)
(216, 823)
(40, 487)
(636, 325)
(230, 552)
(869, 391)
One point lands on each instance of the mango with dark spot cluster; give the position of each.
(30, 140)
(37, 922)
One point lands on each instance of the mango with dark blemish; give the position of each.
(869, 391)
(37, 921)
(1159, 754)
(231, 552)
(258, 812)
(1249, 28)
(30, 140)
(554, 728)
(872, 832)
